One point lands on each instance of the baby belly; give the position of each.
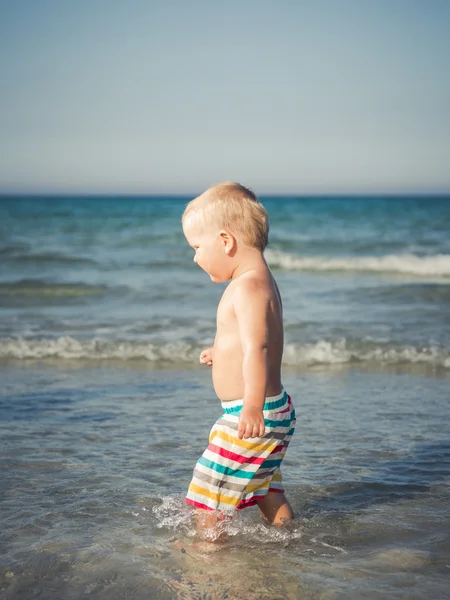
(227, 375)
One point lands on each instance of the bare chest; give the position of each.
(226, 317)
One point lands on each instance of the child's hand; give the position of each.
(206, 357)
(251, 423)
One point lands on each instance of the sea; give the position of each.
(104, 406)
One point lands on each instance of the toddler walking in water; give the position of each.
(228, 229)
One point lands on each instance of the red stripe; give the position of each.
(237, 457)
(242, 504)
(254, 499)
(246, 503)
(198, 504)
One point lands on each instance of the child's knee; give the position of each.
(275, 508)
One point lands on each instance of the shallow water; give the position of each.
(96, 461)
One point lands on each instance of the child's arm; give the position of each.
(251, 305)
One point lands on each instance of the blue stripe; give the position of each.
(268, 464)
(276, 403)
(267, 406)
(235, 409)
(210, 464)
(275, 424)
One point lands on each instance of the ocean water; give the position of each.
(104, 407)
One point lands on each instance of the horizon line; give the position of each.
(174, 195)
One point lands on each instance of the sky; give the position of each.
(285, 96)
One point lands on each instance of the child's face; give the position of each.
(209, 249)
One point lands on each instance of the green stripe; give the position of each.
(210, 464)
(235, 409)
(268, 464)
(267, 406)
(284, 423)
(276, 403)
(225, 470)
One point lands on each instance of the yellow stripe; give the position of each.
(255, 446)
(221, 498)
(214, 496)
(256, 486)
(263, 486)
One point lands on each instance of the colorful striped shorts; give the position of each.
(232, 473)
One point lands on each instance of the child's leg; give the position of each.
(210, 524)
(275, 508)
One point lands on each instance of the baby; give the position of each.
(228, 229)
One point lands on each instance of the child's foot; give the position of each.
(179, 546)
(203, 546)
(198, 550)
(207, 547)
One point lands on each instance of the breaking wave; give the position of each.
(37, 288)
(322, 352)
(23, 253)
(341, 351)
(406, 264)
(67, 347)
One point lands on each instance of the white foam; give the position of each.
(172, 512)
(322, 352)
(326, 352)
(175, 515)
(67, 347)
(407, 264)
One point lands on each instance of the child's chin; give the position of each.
(216, 279)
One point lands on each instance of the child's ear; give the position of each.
(228, 240)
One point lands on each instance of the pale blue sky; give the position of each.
(314, 96)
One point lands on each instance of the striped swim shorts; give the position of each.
(233, 473)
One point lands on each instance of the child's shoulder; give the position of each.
(253, 283)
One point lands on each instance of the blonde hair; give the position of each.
(233, 207)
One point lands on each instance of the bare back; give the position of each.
(228, 353)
